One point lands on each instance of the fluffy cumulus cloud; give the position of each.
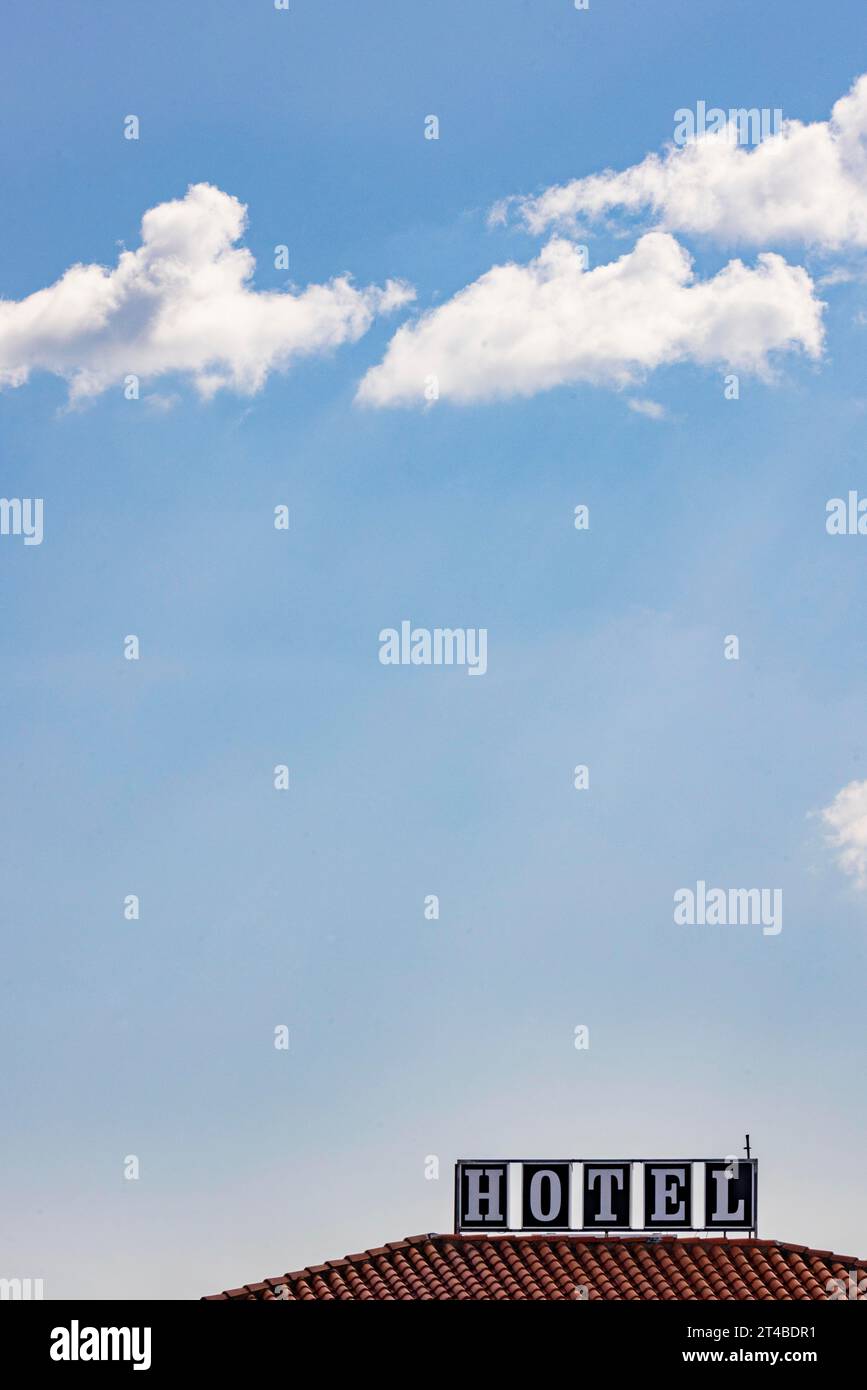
(183, 302)
(805, 184)
(520, 329)
(846, 822)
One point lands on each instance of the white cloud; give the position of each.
(652, 409)
(161, 403)
(846, 819)
(806, 184)
(840, 275)
(520, 329)
(182, 302)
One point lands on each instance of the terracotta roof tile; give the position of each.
(554, 1268)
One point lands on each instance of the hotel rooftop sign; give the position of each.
(631, 1194)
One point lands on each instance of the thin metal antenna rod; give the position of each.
(755, 1188)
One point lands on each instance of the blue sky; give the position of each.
(260, 647)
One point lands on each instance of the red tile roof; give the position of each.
(471, 1267)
